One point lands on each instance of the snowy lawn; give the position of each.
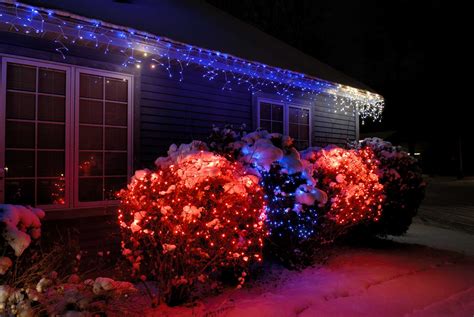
(390, 279)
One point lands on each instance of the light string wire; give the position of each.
(139, 47)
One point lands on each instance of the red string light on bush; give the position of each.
(349, 178)
(186, 222)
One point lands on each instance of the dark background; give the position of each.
(399, 48)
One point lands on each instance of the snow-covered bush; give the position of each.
(19, 226)
(403, 183)
(291, 195)
(350, 180)
(195, 216)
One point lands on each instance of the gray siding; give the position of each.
(330, 127)
(178, 112)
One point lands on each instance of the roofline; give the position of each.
(27, 18)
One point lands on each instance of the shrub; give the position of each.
(403, 183)
(350, 180)
(194, 217)
(291, 197)
(222, 140)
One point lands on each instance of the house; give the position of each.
(92, 90)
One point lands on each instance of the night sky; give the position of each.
(396, 47)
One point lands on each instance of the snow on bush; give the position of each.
(403, 183)
(194, 216)
(20, 225)
(350, 180)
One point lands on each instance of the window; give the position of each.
(271, 117)
(43, 106)
(287, 119)
(298, 126)
(103, 137)
(35, 135)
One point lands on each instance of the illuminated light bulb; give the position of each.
(138, 66)
(153, 66)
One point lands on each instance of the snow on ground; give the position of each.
(392, 279)
(439, 238)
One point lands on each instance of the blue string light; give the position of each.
(139, 47)
(282, 220)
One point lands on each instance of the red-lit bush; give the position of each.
(193, 218)
(350, 180)
(403, 184)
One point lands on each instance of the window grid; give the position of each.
(69, 119)
(274, 123)
(60, 179)
(106, 192)
(302, 137)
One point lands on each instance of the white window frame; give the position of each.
(286, 111)
(71, 126)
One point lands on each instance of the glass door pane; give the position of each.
(35, 135)
(103, 137)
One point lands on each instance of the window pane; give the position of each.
(116, 114)
(115, 164)
(20, 191)
(90, 111)
(90, 189)
(277, 113)
(277, 127)
(52, 81)
(90, 164)
(20, 135)
(304, 116)
(116, 89)
(113, 185)
(51, 136)
(293, 115)
(265, 111)
(303, 132)
(266, 125)
(51, 164)
(115, 139)
(51, 108)
(91, 86)
(90, 138)
(20, 163)
(293, 130)
(51, 191)
(21, 77)
(20, 105)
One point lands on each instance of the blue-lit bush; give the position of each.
(290, 192)
(292, 226)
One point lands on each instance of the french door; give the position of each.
(65, 134)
